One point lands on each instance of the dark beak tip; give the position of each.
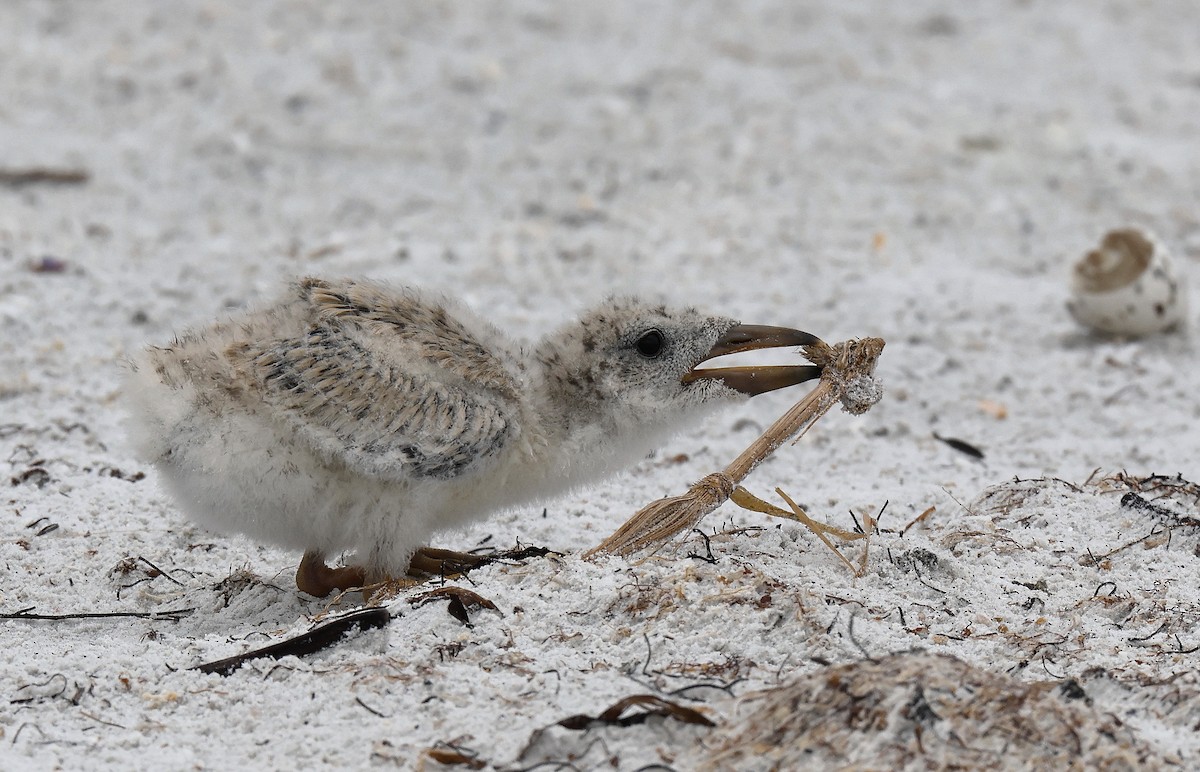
(750, 337)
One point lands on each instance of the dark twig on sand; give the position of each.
(37, 175)
(314, 640)
(27, 613)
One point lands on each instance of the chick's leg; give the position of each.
(318, 579)
(427, 562)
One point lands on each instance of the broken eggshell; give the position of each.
(1127, 286)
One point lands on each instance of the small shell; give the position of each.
(1127, 286)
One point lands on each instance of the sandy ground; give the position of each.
(925, 172)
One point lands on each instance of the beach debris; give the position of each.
(1128, 286)
(615, 715)
(460, 599)
(747, 500)
(174, 615)
(1170, 517)
(995, 409)
(1171, 487)
(316, 639)
(847, 376)
(43, 526)
(35, 475)
(657, 733)
(453, 756)
(927, 711)
(49, 264)
(43, 175)
(961, 446)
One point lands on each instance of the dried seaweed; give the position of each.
(747, 500)
(460, 600)
(1172, 518)
(453, 756)
(316, 639)
(173, 615)
(926, 711)
(43, 175)
(614, 715)
(961, 446)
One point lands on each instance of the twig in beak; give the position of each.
(847, 376)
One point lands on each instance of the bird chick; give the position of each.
(349, 415)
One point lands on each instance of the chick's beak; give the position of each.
(757, 379)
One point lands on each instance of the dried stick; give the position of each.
(34, 175)
(747, 500)
(173, 615)
(847, 376)
(314, 640)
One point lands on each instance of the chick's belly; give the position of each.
(244, 481)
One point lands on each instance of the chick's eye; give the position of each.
(650, 344)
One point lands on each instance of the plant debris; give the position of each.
(48, 526)
(927, 711)
(1135, 502)
(961, 446)
(455, 756)
(847, 376)
(316, 639)
(49, 264)
(919, 518)
(747, 500)
(173, 615)
(614, 714)
(517, 553)
(36, 476)
(460, 598)
(43, 175)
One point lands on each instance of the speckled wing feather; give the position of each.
(392, 386)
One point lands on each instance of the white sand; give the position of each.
(925, 172)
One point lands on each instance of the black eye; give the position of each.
(650, 344)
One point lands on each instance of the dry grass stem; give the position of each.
(747, 500)
(658, 521)
(919, 518)
(847, 377)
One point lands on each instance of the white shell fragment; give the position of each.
(1127, 286)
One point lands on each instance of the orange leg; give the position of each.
(429, 562)
(318, 579)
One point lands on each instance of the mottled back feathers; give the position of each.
(388, 384)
